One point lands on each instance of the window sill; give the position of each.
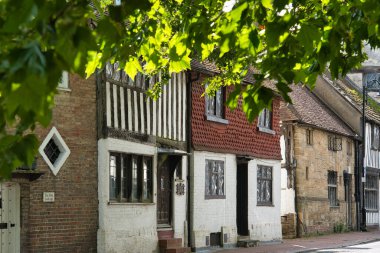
(113, 203)
(215, 197)
(266, 130)
(63, 89)
(265, 205)
(216, 119)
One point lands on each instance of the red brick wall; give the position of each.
(70, 223)
(238, 136)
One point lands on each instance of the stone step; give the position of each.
(170, 243)
(165, 234)
(247, 243)
(178, 250)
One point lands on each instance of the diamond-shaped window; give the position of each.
(54, 150)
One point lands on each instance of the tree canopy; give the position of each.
(288, 41)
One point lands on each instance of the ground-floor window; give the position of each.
(332, 187)
(371, 187)
(264, 185)
(214, 181)
(131, 178)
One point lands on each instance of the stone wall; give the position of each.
(313, 163)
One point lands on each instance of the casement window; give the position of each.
(214, 179)
(264, 185)
(371, 187)
(130, 178)
(215, 104)
(265, 119)
(334, 143)
(332, 187)
(375, 137)
(64, 80)
(309, 137)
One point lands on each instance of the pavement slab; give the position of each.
(311, 244)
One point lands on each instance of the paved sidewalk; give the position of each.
(311, 244)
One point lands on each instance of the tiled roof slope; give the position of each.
(353, 96)
(210, 68)
(308, 109)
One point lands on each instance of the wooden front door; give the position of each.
(164, 192)
(242, 199)
(9, 217)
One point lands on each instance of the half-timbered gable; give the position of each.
(128, 111)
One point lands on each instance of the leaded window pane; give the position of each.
(265, 119)
(130, 178)
(371, 192)
(214, 180)
(264, 185)
(332, 188)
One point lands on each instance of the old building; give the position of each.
(235, 169)
(142, 163)
(52, 207)
(319, 166)
(346, 99)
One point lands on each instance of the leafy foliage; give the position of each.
(289, 41)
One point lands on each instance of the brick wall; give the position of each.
(238, 136)
(70, 223)
(288, 224)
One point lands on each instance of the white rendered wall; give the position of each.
(210, 215)
(287, 194)
(264, 222)
(132, 227)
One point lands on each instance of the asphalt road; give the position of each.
(372, 247)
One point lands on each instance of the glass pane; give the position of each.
(134, 179)
(113, 179)
(219, 103)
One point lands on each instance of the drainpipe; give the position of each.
(363, 211)
(357, 185)
(189, 150)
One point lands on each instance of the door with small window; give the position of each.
(9, 217)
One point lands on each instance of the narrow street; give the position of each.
(345, 242)
(372, 247)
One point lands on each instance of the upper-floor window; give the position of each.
(265, 119)
(264, 185)
(64, 80)
(131, 178)
(375, 137)
(309, 136)
(214, 179)
(332, 187)
(334, 143)
(214, 104)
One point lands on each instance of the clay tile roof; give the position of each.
(354, 96)
(308, 109)
(209, 68)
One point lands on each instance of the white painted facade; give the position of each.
(287, 194)
(372, 160)
(219, 215)
(132, 227)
